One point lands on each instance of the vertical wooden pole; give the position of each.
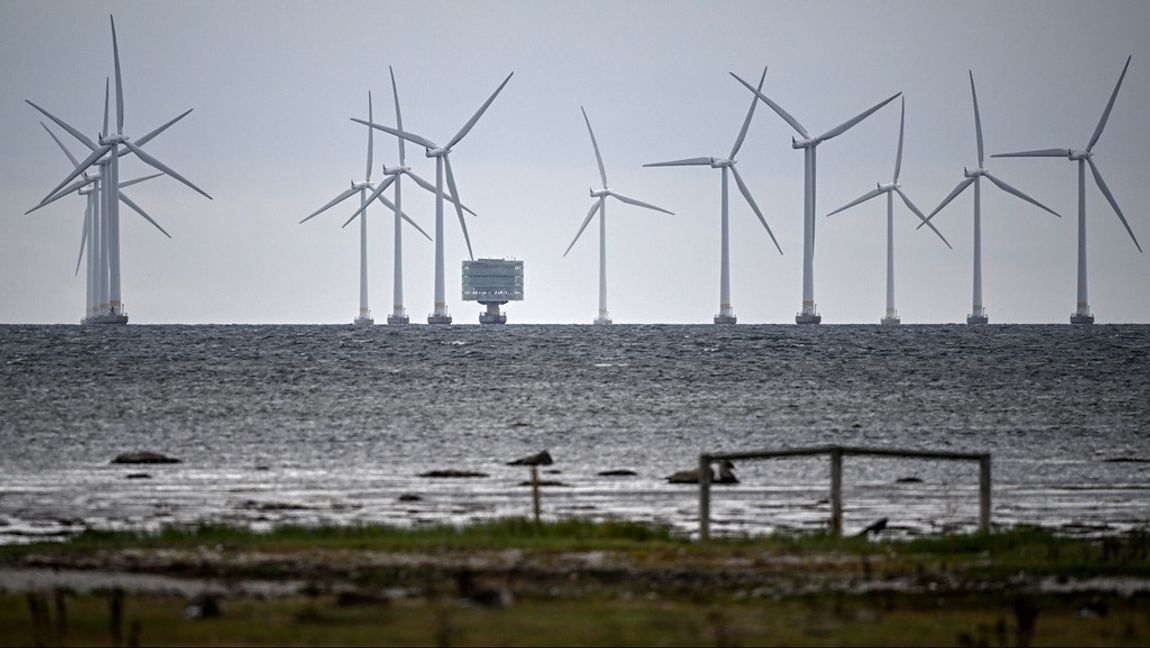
(535, 492)
(704, 497)
(984, 494)
(836, 492)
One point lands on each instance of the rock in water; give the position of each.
(452, 474)
(618, 473)
(541, 459)
(726, 475)
(144, 458)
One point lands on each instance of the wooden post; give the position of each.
(535, 492)
(836, 492)
(704, 497)
(984, 494)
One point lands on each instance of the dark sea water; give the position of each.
(333, 423)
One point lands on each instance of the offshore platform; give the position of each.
(492, 282)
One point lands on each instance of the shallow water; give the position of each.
(333, 423)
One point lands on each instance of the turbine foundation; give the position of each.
(978, 317)
(398, 317)
(726, 318)
(891, 319)
(602, 320)
(1082, 316)
(364, 318)
(492, 315)
(809, 314)
(439, 318)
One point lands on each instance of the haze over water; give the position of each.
(334, 423)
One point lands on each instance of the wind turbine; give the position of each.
(106, 154)
(891, 317)
(809, 145)
(600, 206)
(442, 161)
(978, 311)
(1082, 313)
(364, 318)
(726, 313)
(96, 286)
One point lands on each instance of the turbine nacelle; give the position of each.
(436, 152)
(105, 140)
(804, 143)
(967, 173)
(362, 185)
(1079, 155)
(600, 193)
(717, 163)
(886, 188)
(394, 171)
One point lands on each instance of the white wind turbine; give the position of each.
(364, 318)
(106, 155)
(726, 313)
(601, 207)
(978, 311)
(91, 240)
(442, 162)
(1082, 313)
(809, 313)
(890, 189)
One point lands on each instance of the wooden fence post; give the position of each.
(984, 494)
(535, 493)
(704, 497)
(836, 491)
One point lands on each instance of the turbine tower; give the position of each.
(891, 317)
(1084, 158)
(442, 163)
(600, 206)
(106, 155)
(809, 313)
(726, 313)
(364, 318)
(978, 310)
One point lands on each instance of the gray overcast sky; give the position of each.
(274, 83)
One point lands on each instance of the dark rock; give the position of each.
(726, 475)
(873, 528)
(452, 474)
(410, 497)
(137, 476)
(618, 473)
(1127, 460)
(553, 472)
(540, 459)
(203, 606)
(144, 458)
(908, 480)
(856, 425)
(520, 424)
(544, 482)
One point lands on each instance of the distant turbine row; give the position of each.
(102, 189)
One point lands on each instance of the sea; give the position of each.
(334, 425)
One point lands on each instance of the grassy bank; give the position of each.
(511, 582)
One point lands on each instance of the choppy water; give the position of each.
(334, 423)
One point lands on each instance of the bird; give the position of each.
(726, 475)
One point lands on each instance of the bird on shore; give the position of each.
(726, 475)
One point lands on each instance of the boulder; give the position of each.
(908, 480)
(452, 474)
(544, 482)
(617, 473)
(410, 497)
(144, 458)
(540, 459)
(726, 475)
(137, 476)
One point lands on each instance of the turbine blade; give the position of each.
(119, 81)
(374, 195)
(775, 107)
(133, 181)
(140, 141)
(408, 219)
(104, 130)
(1106, 113)
(754, 207)
(398, 116)
(424, 142)
(1113, 203)
(747, 121)
(850, 123)
(62, 124)
(370, 139)
(83, 237)
(455, 192)
(1011, 190)
(861, 199)
(638, 203)
(430, 187)
(590, 215)
(977, 118)
(918, 212)
(148, 159)
(128, 201)
(699, 161)
(966, 182)
(80, 183)
(80, 168)
(347, 193)
(901, 128)
(71, 158)
(595, 145)
(474, 118)
(1038, 153)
